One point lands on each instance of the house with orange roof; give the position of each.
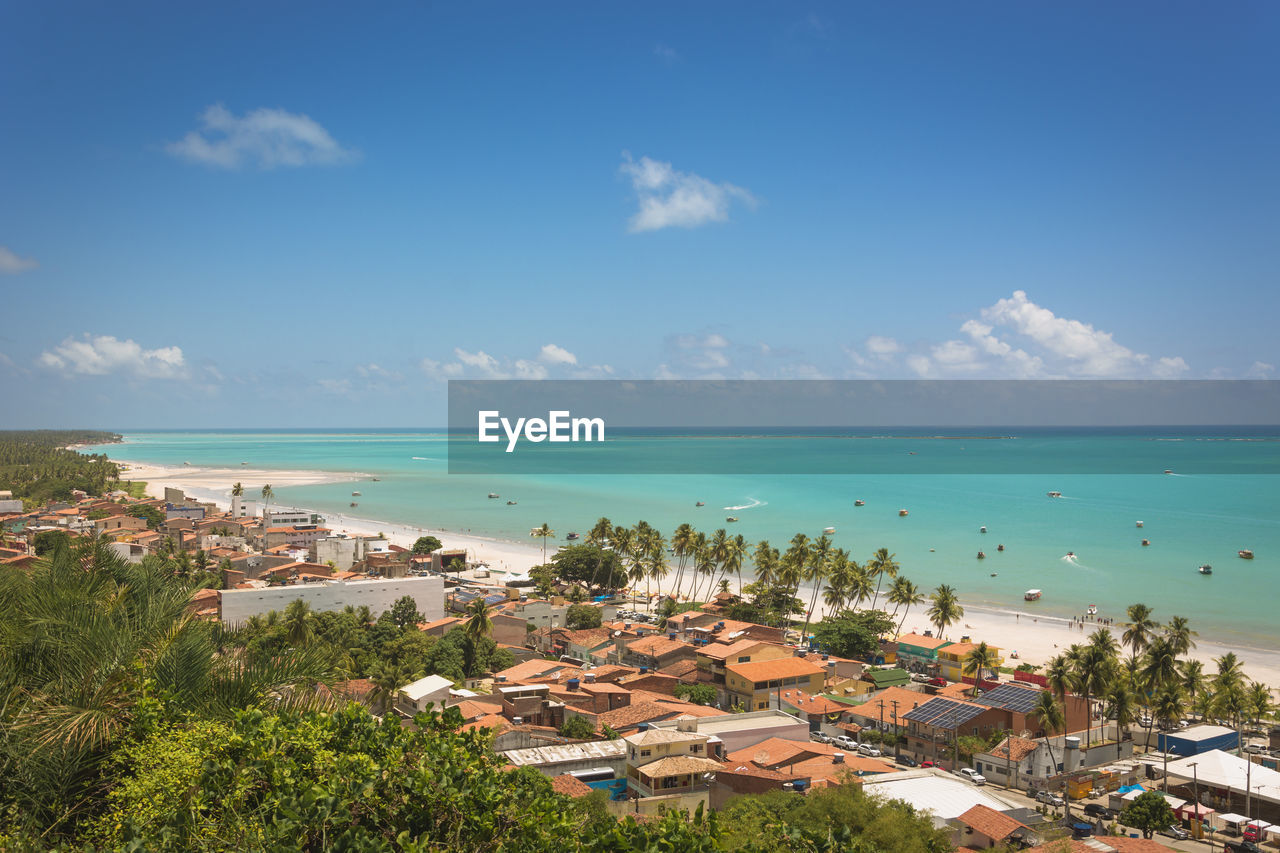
(951, 660)
(752, 685)
(812, 707)
(652, 652)
(820, 762)
(668, 769)
(919, 652)
(884, 711)
(712, 658)
(982, 827)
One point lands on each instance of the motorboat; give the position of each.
(1168, 470)
(827, 531)
(1139, 523)
(571, 535)
(701, 503)
(731, 518)
(902, 513)
(1054, 494)
(1245, 554)
(982, 555)
(374, 479)
(355, 494)
(494, 495)
(1032, 595)
(353, 503)
(511, 503)
(1206, 569)
(859, 502)
(1000, 547)
(1146, 541)
(1071, 553)
(1093, 610)
(244, 463)
(982, 529)
(186, 463)
(993, 574)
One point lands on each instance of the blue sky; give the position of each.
(287, 214)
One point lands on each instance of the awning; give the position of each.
(1195, 810)
(1233, 818)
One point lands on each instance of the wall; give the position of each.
(239, 604)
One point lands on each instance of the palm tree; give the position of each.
(1092, 673)
(881, 564)
(544, 533)
(598, 535)
(479, 619)
(681, 542)
(655, 558)
(703, 565)
(298, 623)
(267, 494)
(945, 610)
(1139, 629)
(904, 593)
(979, 662)
(859, 584)
(795, 559)
(1048, 713)
(1058, 677)
(1259, 702)
(1192, 677)
(1169, 705)
(735, 555)
(719, 551)
(839, 571)
(1180, 634)
(1121, 706)
(765, 560)
(816, 571)
(237, 490)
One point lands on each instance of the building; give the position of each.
(919, 652)
(237, 605)
(711, 659)
(556, 759)
(289, 518)
(1198, 739)
(1031, 763)
(729, 733)
(936, 792)
(752, 685)
(951, 658)
(981, 827)
(423, 694)
(671, 765)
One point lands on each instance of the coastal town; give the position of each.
(655, 704)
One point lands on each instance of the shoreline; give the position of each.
(1002, 627)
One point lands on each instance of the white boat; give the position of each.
(1245, 554)
(731, 518)
(355, 494)
(902, 513)
(1093, 610)
(982, 529)
(1139, 523)
(511, 503)
(1055, 494)
(1206, 569)
(1032, 595)
(494, 495)
(859, 502)
(701, 503)
(828, 530)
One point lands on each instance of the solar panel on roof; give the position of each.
(943, 713)
(1010, 698)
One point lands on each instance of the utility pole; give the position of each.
(1248, 789)
(897, 750)
(1195, 787)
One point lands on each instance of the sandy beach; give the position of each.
(1034, 636)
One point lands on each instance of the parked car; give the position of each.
(927, 763)
(919, 678)
(1252, 833)
(868, 749)
(819, 737)
(937, 681)
(1254, 748)
(845, 742)
(1175, 831)
(908, 761)
(1048, 798)
(973, 776)
(1241, 846)
(1100, 811)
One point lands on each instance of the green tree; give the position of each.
(1149, 813)
(979, 663)
(590, 565)
(698, 694)
(404, 612)
(426, 544)
(48, 541)
(577, 728)
(544, 533)
(852, 634)
(582, 616)
(945, 609)
(154, 517)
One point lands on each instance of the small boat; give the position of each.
(902, 513)
(859, 502)
(1093, 610)
(982, 555)
(701, 503)
(1168, 470)
(1245, 554)
(731, 518)
(353, 503)
(1139, 523)
(186, 463)
(511, 503)
(494, 495)
(982, 529)
(1000, 547)
(1054, 494)
(375, 479)
(1146, 541)
(993, 574)
(244, 463)
(571, 535)
(1071, 553)
(827, 531)
(1032, 595)
(355, 494)
(1206, 569)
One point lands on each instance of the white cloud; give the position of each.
(104, 354)
(264, 137)
(335, 386)
(12, 264)
(955, 355)
(882, 347)
(1260, 370)
(920, 364)
(375, 371)
(670, 198)
(552, 354)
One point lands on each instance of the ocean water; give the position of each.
(1190, 519)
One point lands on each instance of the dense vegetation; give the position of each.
(35, 465)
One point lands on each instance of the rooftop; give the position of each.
(562, 753)
(770, 670)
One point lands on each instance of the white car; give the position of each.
(1049, 798)
(868, 749)
(973, 776)
(845, 742)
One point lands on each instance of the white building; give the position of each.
(432, 690)
(346, 551)
(289, 518)
(237, 605)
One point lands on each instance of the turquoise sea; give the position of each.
(1190, 519)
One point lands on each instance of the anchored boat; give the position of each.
(1032, 595)
(1206, 569)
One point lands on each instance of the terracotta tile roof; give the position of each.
(1020, 747)
(990, 822)
(446, 622)
(771, 670)
(679, 764)
(474, 709)
(570, 786)
(588, 638)
(921, 641)
(655, 646)
(497, 722)
(958, 649)
(612, 672)
(679, 668)
(722, 651)
(956, 690)
(635, 714)
(874, 710)
(811, 704)
(537, 669)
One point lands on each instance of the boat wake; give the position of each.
(1072, 559)
(423, 459)
(754, 503)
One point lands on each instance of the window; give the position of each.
(696, 747)
(644, 753)
(744, 659)
(762, 706)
